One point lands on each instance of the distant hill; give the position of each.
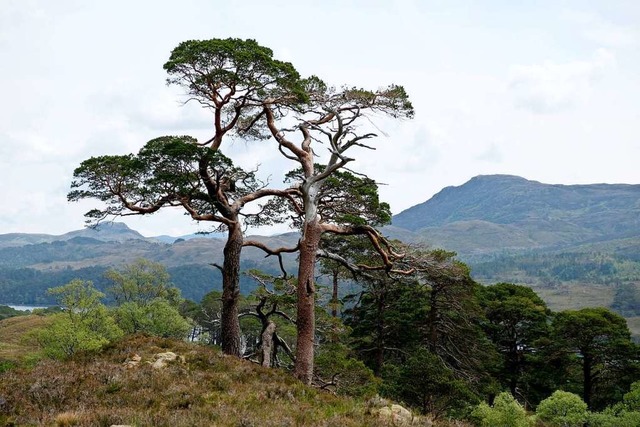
(492, 213)
(106, 232)
(575, 245)
(30, 264)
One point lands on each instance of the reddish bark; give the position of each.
(229, 322)
(306, 293)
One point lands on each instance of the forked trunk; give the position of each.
(229, 323)
(306, 301)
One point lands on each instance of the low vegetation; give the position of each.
(100, 389)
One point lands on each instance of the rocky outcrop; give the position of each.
(394, 414)
(163, 359)
(160, 360)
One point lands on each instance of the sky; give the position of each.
(546, 90)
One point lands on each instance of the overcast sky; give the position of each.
(549, 91)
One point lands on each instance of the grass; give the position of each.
(208, 389)
(14, 346)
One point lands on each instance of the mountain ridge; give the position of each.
(551, 215)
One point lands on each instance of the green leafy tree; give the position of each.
(158, 317)
(631, 399)
(563, 409)
(516, 319)
(384, 319)
(146, 301)
(141, 282)
(423, 381)
(272, 307)
(505, 412)
(338, 369)
(452, 327)
(612, 418)
(598, 341)
(421, 333)
(84, 325)
(229, 77)
(622, 414)
(208, 316)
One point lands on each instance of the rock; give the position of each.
(378, 402)
(396, 414)
(132, 361)
(162, 359)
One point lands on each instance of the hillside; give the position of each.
(28, 270)
(575, 245)
(502, 212)
(201, 388)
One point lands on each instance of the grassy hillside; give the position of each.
(206, 389)
(15, 349)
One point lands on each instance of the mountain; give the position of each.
(575, 245)
(30, 264)
(494, 213)
(105, 232)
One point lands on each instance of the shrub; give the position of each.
(563, 409)
(352, 377)
(85, 325)
(65, 337)
(505, 412)
(157, 318)
(609, 418)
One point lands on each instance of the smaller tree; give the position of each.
(600, 344)
(426, 383)
(505, 412)
(146, 300)
(273, 307)
(84, 325)
(141, 282)
(516, 319)
(563, 409)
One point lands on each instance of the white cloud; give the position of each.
(551, 87)
(603, 32)
(86, 79)
(491, 154)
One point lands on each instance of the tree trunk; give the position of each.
(588, 384)
(267, 344)
(380, 334)
(334, 296)
(229, 322)
(306, 301)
